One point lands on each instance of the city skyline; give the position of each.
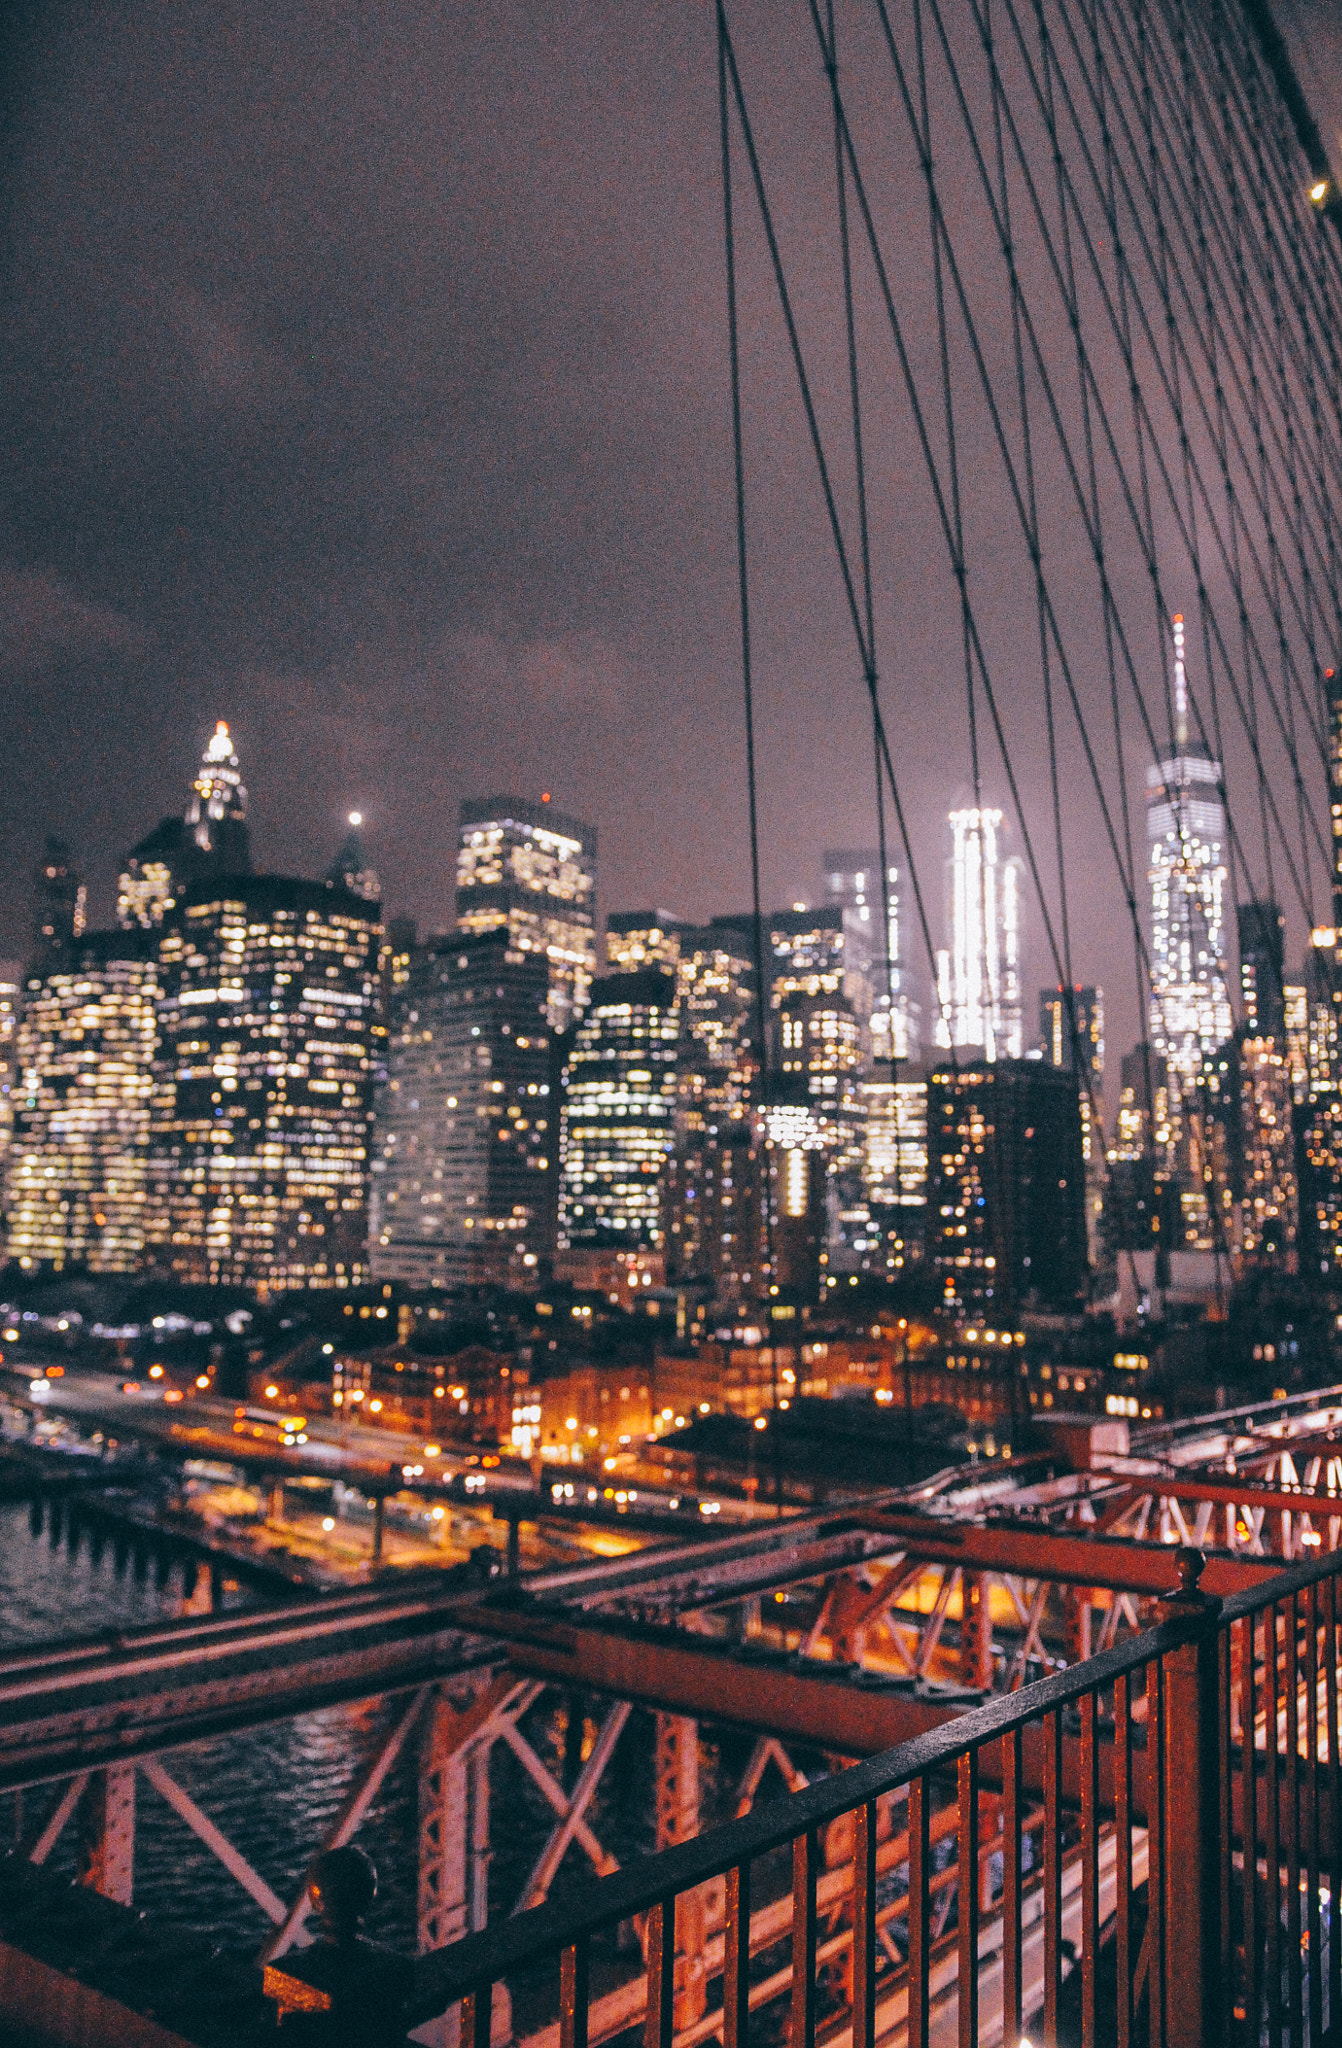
(218, 795)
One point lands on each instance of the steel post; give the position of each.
(1190, 1859)
(676, 1785)
(976, 1633)
(107, 1833)
(444, 1832)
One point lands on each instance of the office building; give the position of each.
(617, 1125)
(466, 1126)
(715, 1195)
(151, 875)
(1262, 940)
(58, 906)
(1132, 1203)
(11, 1005)
(530, 871)
(210, 837)
(262, 1100)
(1314, 1061)
(853, 883)
(894, 1169)
(715, 1177)
(1006, 1220)
(1064, 1023)
(642, 938)
(1268, 1202)
(1332, 683)
(1190, 1003)
(82, 1060)
(820, 951)
(820, 1048)
(979, 975)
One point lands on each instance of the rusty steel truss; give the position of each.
(846, 1633)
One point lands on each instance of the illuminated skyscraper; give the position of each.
(1262, 937)
(530, 870)
(853, 883)
(466, 1128)
(1057, 1020)
(216, 816)
(75, 1182)
(58, 906)
(895, 1166)
(1006, 1215)
(618, 1117)
(211, 838)
(1333, 690)
(151, 875)
(1190, 1004)
(11, 1003)
(642, 938)
(979, 978)
(262, 1099)
(1269, 1206)
(715, 1178)
(825, 950)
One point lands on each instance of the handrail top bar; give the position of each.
(480, 1959)
(1253, 1599)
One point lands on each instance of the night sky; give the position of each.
(364, 383)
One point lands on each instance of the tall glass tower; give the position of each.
(979, 978)
(1190, 1002)
(530, 871)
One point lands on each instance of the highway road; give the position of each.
(204, 1425)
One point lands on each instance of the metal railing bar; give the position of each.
(1011, 1883)
(736, 1960)
(805, 1859)
(919, 1923)
(1314, 1917)
(573, 1994)
(967, 1899)
(642, 1885)
(1225, 1816)
(1123, 1862)
(614, 2014)
(1295, 1960)
(1254, 1599)
(864, 1927)
(1153, 1943)
(477, 2016)
(1271, 1827)
(1334, 1806)
(1249, 1821)
(1052, 1874)
(1090, 1870)
(659, 2021)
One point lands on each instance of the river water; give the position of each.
(275, 1791)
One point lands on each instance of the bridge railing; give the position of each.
(1153, 1833)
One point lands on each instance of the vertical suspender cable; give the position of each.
(743, 590)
